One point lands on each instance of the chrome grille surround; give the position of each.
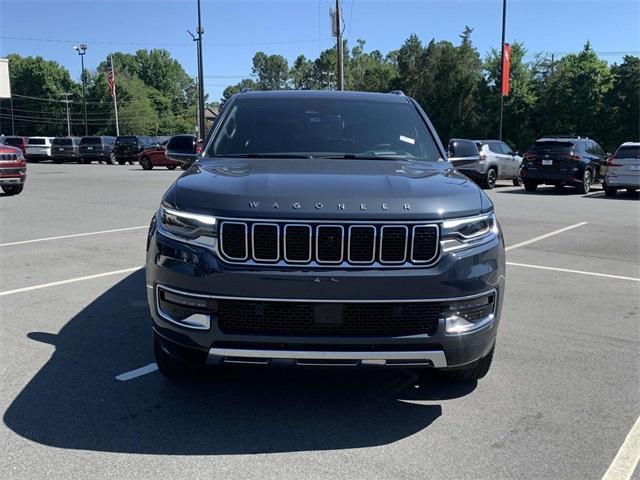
(314, 228)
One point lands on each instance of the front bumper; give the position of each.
(195, 270)
(13, 175)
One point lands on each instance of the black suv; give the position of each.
(324, 229)
(560, 161)
(128, 147)
(96, 148)
(65, 149)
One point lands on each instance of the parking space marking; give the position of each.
(36, 240)
(138, 372)
(626, 461)
(581, 272)
(546, 235)
(71, 280)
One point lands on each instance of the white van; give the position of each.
(38, 148)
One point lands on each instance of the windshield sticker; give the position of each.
(407, 140)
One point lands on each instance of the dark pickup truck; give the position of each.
(324, 229)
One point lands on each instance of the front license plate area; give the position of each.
(547, 162)
(328, 313)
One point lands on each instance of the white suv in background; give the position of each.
(623, 169)
(38, 148)
(485, 161)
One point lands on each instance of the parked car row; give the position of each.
(552, 160)
(147, 150)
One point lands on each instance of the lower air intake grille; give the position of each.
(313, 319)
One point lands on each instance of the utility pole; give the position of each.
(82, 49)
(502, 72)
(66, 102)
(337, 31)
(198, 40)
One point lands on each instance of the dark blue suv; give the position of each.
(324, 229)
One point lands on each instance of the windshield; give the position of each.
(37, 141)
(323, 127)
(14, 141)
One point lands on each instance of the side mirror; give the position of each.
(182, 148)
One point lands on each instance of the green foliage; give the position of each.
(578, 93)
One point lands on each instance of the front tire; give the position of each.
(184, 166)
(112, 159)
(530, 186)
(490, 179)
(12, 189)
(168, 365)
(472, 372)
(145, 163)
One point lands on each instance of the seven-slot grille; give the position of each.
(328, 244)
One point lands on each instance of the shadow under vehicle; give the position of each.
(75, 402)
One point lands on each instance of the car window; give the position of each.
(62, 141)
(90, 141)
(36, 141)
(324, 126)
(598, 149)
(552, 146)
(506, 149)
(13, 141)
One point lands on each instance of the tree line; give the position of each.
(460, 91)
(155, 96)
(576, 94)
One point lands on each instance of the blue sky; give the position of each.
(235, 30)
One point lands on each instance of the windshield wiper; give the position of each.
(264, 155)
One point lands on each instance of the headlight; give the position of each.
(467, 232)
(187, 224)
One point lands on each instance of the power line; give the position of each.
(147, 44)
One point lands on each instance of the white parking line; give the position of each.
(71, 280)
(23, 242)
(138, 372)
(546, 235)
(626, 461)
(581, 272)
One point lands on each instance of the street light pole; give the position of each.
(198, 40)
(82, 49)
(66, 101)
(502, 72)
(339, 47)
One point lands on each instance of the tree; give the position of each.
(519, 106)
(370, 72)
(623, 104)
(272, 71)
(39, 78)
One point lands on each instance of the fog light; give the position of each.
(186, 310)
(469, 315)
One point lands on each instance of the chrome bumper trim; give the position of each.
(434, 358)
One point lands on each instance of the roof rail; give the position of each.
(245, 90)
(396, 92)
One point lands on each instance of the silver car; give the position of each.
(623, 169)
(485, 161)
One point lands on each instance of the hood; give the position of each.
(326, 189)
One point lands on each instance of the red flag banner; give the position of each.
(506, 69)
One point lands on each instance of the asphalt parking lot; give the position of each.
(561, 398)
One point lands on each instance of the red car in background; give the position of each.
(13, 170)
(19, 142)
(155, 157)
